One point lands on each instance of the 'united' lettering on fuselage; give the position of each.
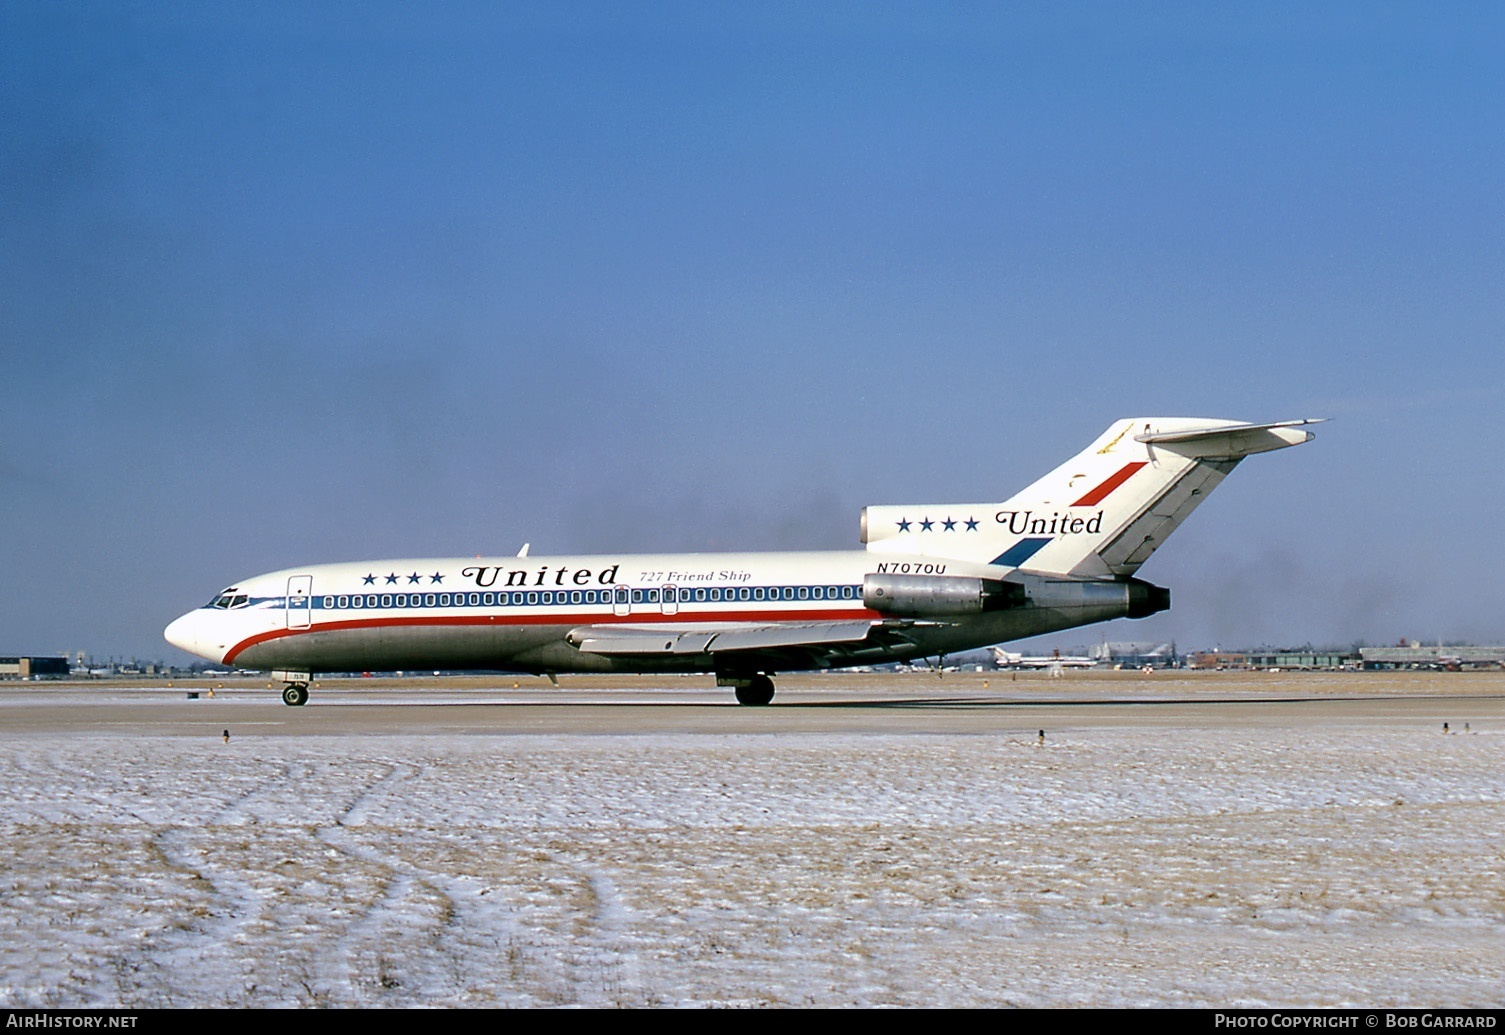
(486, 575)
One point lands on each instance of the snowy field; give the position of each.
(1249, 863)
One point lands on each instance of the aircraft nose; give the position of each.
(183, 633)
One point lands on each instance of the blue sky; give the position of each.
(282, 284)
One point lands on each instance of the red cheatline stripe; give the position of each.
(702, 619)
(1100, 493)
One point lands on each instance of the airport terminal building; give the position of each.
(1436, 656)
(33, 666)
(1303, 660)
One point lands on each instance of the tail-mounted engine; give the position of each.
(939, 596)
(949, 596)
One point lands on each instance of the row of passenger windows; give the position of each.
(617, 595)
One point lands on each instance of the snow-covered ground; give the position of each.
(1253, 865)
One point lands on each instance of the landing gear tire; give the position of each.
(758, 691)
(295, 695)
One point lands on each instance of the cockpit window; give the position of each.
(228, 599)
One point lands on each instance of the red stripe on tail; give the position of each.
(1100, 493)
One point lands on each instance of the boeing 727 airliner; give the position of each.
(935, 578)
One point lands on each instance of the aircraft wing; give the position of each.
(682, 639)
(780, 645)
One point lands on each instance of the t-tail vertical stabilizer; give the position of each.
(1099, 515)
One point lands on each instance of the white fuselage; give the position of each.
(516, 613)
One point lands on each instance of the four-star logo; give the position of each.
(927, 524)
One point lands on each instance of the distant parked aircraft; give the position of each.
(1008, 659)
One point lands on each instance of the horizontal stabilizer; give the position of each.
(1239, 439)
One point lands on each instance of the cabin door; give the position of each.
(300, 591)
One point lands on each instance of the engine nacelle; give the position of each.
(938, 596)
(1115, 598)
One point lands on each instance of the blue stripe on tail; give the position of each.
(1021, 551)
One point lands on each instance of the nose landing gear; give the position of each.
(295, 693)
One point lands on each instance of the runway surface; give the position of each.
(1273, 839)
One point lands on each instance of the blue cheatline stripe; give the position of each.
(600, 597)
(1020, 552)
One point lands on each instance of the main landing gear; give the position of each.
(755, 690)
(295, 688)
